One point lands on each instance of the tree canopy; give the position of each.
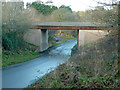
(66, 7)
(42, 8)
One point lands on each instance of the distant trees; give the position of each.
(42, 8)
(64, 14)
(99, 14)
(66, 7)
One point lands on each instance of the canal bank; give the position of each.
(30, 51)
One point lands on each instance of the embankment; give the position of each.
(94, 66)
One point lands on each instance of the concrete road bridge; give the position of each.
(86, 31)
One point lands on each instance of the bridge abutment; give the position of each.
(85, 37)
(38, 37)
(78, 39)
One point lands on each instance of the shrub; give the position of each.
(14, 25)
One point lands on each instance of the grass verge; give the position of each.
(23, 55)
(66, 36)
(10, 58)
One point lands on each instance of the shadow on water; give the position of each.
(23, 74)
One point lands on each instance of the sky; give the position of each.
(76, 5)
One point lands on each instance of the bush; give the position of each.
(11, 41)
(14, 26)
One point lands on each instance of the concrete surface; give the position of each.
(37, 37)
(86, 36)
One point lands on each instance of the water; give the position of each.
(23, 74)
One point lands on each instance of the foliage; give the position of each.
(63, 14)
(52, 13)
(42, 8)
(66, 7)
(68, 34)
(14, 25)
(99, 14)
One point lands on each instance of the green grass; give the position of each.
(65, 36)
(14, 57)
(19, 56)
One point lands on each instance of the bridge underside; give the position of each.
(43, 27)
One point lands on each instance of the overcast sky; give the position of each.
(76, 5)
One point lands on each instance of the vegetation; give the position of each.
(66, 34)
(94, 66)
(14, 26)
(14, 57)
(42, 8)
(10, 58)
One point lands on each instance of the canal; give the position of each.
(23, 74)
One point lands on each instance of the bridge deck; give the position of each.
(71, 25)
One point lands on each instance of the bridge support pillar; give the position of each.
(80, 39)
(43, 39)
